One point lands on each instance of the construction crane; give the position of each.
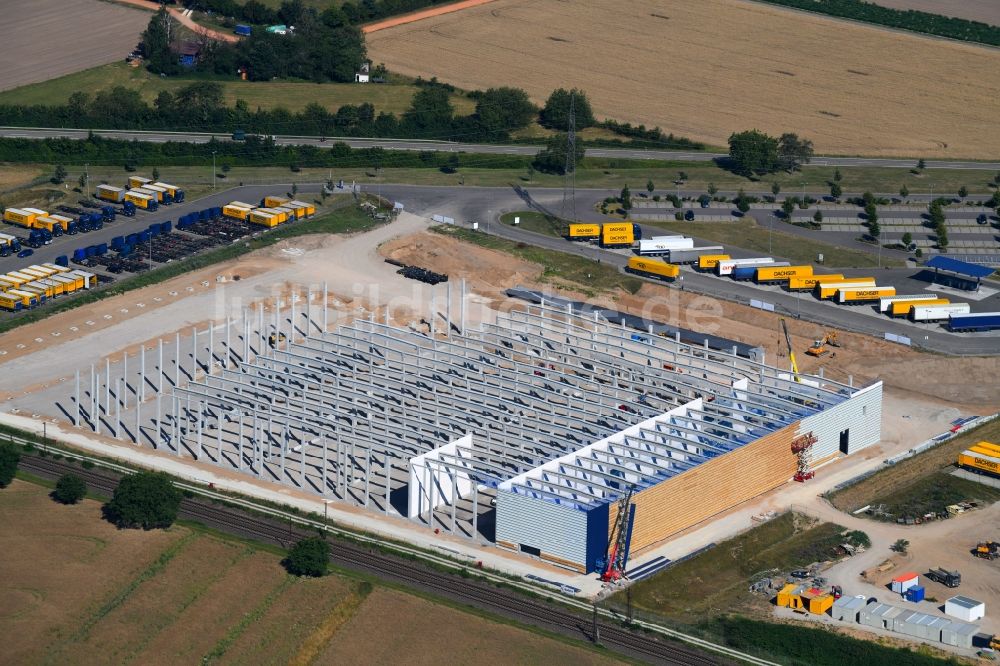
(617, 556)
(791, 352)
(819, 347)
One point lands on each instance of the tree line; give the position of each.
(355, 13)
(904, 19)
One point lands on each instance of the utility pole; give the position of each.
(86, 174)
(568, 209)
(213, 169)
(596, 630)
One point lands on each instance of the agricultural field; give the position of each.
(389, 97)
(44, 39)
(706, 69)
(77, 590)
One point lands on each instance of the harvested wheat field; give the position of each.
(706, 69)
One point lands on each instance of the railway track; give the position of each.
(356, 556)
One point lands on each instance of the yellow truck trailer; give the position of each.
(9, 302)
(310, 209)
(87, 280)
(708, 262)
(151, 190)
(50, 224)
(141, 200)
(988, 447)
(28, 299)
(56, 268)
(583, 231)
(110, 193)
(274, 201)
(22, 217)
(979, 461)
(618, 234)
(809, 282)
(236, 212)
(18, 277)
(137, 181)
(865, 295)
(69, 284)
(827, 290)
(652, 268)
(281, 217)
(58, 288)
(43, 292)
(778, 274)
(63, 220)
(35, 272)
(263, 218)
(902, 308)
(171, 189)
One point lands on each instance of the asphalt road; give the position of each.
(447, 146)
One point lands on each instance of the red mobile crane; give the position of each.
(617, 556)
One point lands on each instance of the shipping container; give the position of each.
(110, 193)
(974, 322)
(693, 255)
(809, 283)
(707, 262)
(825, 290)
(915, 593)
(137, 181)
(726, 267)
(902, 308)
(236, 212)
(865, 295)
(775, 275)
(618, 234)
(20, 216)
(937, 312)
(274, 201)
(652, 268)
(654, 247)
(885, 304)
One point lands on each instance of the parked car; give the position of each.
(26, 252)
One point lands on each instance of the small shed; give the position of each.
(817, 601)
(363, 75)
(879, 616)
(964, 608)
(846, 609)
(959, 634)
(904, 581)
(790, 595)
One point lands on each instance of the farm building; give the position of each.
(526, 429)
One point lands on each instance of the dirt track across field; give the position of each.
(421, 15)
(45, 39)
(706, 69)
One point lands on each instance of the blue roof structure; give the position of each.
(974, 271)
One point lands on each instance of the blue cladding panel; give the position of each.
(597, 535)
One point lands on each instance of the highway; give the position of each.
(455, 147)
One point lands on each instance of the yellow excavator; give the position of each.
(791, 352)
(819, 347)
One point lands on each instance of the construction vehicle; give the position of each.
(947, 578)
(819, 347)
(791, 352)
(618, 543)
(988, 550)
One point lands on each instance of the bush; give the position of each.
(309, 557)
(9, 457)
(70, 489)
(147, 499)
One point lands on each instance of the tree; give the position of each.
(155, 173)
(788, 207)
(82, 180)
(555, 113)
(531, 172)
(836, 190)
(818, 216)
(921, 164)
(70, 489)
(793, 152)
(682, 176)
(430, 114)
(907, 239)
(626, 198)
(712, 189)
(59, 175)
(837, 176)
(156, 41)
(552, 158)
(146, 499)
(753, 152)
(873, 227)
(775, 189)
(942, 237)
(649, 186)
(742, 204)
(900, 546)
(963, 191)
(904, 191)
(500, 111)
(9, 457)
(308, 557)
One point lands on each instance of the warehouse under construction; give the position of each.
(547, 430)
